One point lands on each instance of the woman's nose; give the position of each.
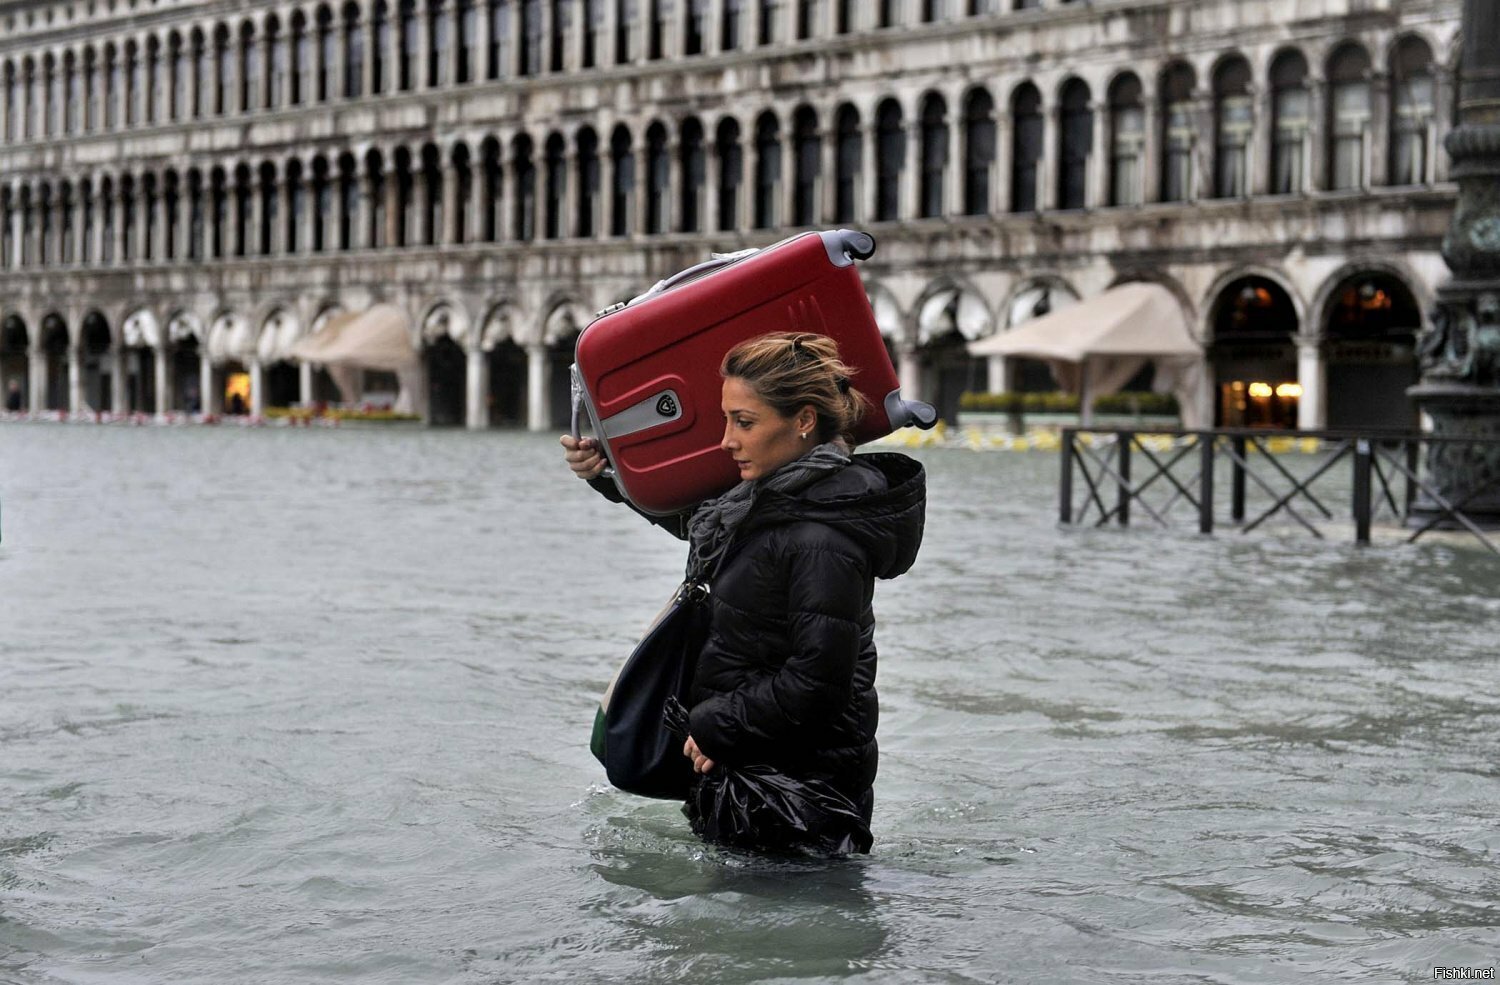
(726, 441)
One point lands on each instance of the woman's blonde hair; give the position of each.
(792, 370)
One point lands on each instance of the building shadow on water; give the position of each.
(716, 915)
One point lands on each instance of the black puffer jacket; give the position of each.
(787, 677)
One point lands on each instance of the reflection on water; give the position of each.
(314, 706)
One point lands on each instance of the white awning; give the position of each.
(1130, 320)
(376, 338)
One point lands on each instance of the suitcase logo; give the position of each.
(667, 406)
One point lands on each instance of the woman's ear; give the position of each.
(807, 420)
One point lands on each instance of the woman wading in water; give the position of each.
(786, 678)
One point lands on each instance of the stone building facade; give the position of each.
(188, 186)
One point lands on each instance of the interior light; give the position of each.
(1260, 390)
(1289, 390)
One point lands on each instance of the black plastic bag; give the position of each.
(761, 808)
(639, 754)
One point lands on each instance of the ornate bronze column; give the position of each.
(1460, 355)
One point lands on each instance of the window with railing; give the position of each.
(1349, 112)
(1127, 126)
(1233, 125)
(1179, 134)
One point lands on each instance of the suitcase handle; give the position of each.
(575, 427)
(718, 260)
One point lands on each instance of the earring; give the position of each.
(804, 435)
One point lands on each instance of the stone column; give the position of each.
(567, 226)
(1201, 187)
(283, 192)
(479, 67)
(392, 200)
(372, 42)
(75, 380)
(159, 225)
(253, 244)
(909, 207)
(713, 44)
(675, 186)
(1378, 139)
(642, 187)
(1151, 151)
(119, 396)
(606, 188)
(80, 248)
(1315, 154)
(1442, 124)
(257, 388)
(421, 192)
(1312, 407)
(17, 242)
(163, 367)
(505, 227)
(117, 207)
(36, 366)
(304, 384)
(714, 175)
(449, 236)
(827, 199)
(365, 210)
(909, 371)
(996, 375)
(1262, 143)
(477, 391)
(424, 46)
(210, 399)
(1098, 167)
(537, 417)
(1047, 165)
(96, 228)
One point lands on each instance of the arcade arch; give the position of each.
(1253, 355)
(1370, 329)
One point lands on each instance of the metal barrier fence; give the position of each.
(1386, 477)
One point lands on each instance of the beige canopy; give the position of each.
(377, 338)
(1097, 345)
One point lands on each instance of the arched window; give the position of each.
(934, 155)
(500, 39)
(593, 34)
(91, 119)
(979, 151)
(531, 37)
(588, 182)
(86, 205)
(65, 243)
(328, 45)
(349, 194)
(322, 210)
(30, 104)
(1348, 118)
(935, 11)
(767, 170)
(1127, 141)
(1179, 131)
(380, 27)
(731, 173)
(843, 16)
(1026, 150)
(218, 222)
(1291, 111)
(658, 179)
(468, 37)
(171, 190)
(732, 31)
(147, 249)
(622, 192)
(694, 175)
(811, 18)
(250, 78)
(492, 221)
(150, 69)
(463, 194)
(12, 104)
(377, 233)
(354, 53)
(401, 220)
(407, 13)
(770, 21)
(73, 86)
(106, 221)
(695, 26)
(432, 196)
(1076, 143)
(224, 69)
(1233, 122)
(1413, 106)
(890, 160)
(276, 84)
(885, 13)
(627, 24)
(133, 79)
(243, 210)
(270, 208)
(848, 161)
(296, 208)
(525, 189)
(438, 42)
(556, 187)
(299, 57)
(203, 76)
(807, 147)
(181, 79)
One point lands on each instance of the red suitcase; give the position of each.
(646, 372)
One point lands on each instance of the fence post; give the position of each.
(1237, 480)
(1362, 491)
(1124, 480)
(1413, 462)
(1065, 485)
(1205, 482)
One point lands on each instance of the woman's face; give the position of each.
(759, 438)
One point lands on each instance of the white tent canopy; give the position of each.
(1097, 345)
(377, 338)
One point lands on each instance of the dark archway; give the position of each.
(559, 379)
(283, 383)
(446, 375)
(1369, 344)
(1253, 355)
(186, 374)
(98, 369)
(507, 396)
(55, 349)
(14, 382)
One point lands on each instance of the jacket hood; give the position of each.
(879, 500)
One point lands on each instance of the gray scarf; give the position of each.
(715, 521)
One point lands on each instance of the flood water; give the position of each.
(313, 706)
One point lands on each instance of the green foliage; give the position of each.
(340, 413)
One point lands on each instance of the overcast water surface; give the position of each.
(313, 706)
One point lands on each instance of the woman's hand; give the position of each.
(584, 456)
(701, 763)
